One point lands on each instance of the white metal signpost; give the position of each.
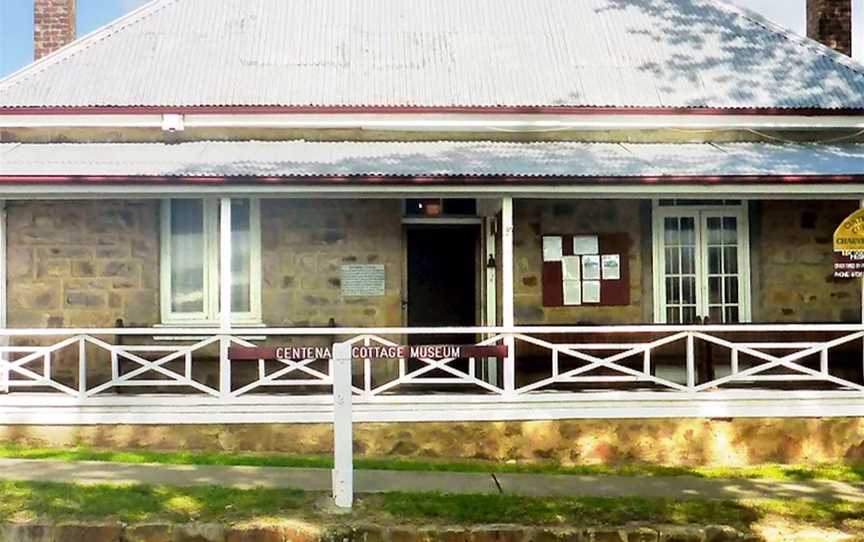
(343, 452)
(342, 356)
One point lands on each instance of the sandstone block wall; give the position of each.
(86, 264)
(304, 245)
(535, 218)
(792, 244)
(739, 441)
(82, 264)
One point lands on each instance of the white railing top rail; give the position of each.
(330, 331)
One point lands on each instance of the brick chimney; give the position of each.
(53, 25)
(830, 22)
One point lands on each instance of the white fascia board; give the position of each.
(454, 122)
(832, 191)
(81, 121)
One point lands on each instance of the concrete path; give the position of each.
(371, 481)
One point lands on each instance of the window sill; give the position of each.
(238, 327)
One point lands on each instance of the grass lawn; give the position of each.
(839, 472)
(25, 501)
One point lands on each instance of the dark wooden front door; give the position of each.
(442, 279)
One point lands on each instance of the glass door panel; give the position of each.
(680, 290)
(701, 258)
(723, 248)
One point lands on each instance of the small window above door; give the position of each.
(440, 207)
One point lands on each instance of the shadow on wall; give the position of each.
(675, 442)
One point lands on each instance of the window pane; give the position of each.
(730, 260)
(730, 230)
(732, 315)
(187, 256)
(715, 315)
(714, 290)
(241, 245)
(731, 290)
(672, 261)
(714, 267)
(673, 237)
(688, 230)
(714, 225)
(673, 293)
(688, 260)
(688, 315)
(688, 290)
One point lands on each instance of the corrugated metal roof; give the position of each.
(472, 158)
(441, 53)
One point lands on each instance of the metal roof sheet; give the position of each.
(441, 53)
(427, 159)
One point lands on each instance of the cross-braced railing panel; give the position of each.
(792, 361)
(289, 372)
(424, 374)
(87, 364)
(609, 360)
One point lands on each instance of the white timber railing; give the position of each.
(88, 363)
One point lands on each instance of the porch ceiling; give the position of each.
(445, 162)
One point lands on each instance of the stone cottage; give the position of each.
(629, 204)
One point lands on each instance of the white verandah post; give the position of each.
(225, 287)
(507, 318)
(343, 447)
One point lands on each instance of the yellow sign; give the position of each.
(849, 247)
(849, 237)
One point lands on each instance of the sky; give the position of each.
(16, 22)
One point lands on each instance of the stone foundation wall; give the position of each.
(304, 529)
(793, 274)
(739, 441)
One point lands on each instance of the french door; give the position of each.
(701, 264)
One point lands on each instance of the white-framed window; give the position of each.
(190, 261)
(701, 262)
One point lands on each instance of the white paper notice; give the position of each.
(572, 267)
(591, 267)
(611, 266)
(552, 251)
(572, 292)
(591, 291)
(586, 244)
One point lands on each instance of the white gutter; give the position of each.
(441, 122)
(832, 191)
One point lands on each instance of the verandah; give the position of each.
(613, 366)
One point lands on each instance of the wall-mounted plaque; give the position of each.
(849, 247)
(363, 280)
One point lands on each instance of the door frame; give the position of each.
(479, 277)
(700, 212)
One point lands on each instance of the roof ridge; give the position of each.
(83, 42)
(804, 41)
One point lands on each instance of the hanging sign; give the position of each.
(427, 351)
(849, 247)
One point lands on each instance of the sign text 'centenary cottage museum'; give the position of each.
(582, 230)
